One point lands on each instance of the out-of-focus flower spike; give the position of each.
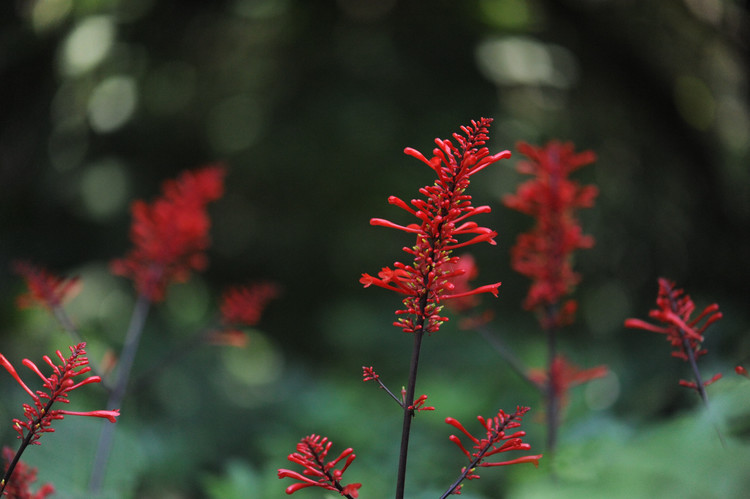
(170, 235)
(544, 254)
(244, 305)
(684, 333)
(45, 288)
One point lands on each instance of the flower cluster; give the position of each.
(39, 416)
(244, 305)
(443, 216)
(495, 441)
(23, 478)
(311, 454)
(685, 334)
(544, 254)
(45, 288)
(170, 235)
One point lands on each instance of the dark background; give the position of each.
(310, 105)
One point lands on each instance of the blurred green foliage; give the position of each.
(310, 103)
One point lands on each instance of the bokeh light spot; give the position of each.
(112, 103)
(88, 44)
(49, 13)
(604, 307)
(507, 14)
(188, 303)
(525, 61)
(258, 364)
(601, 393)
(694, 101)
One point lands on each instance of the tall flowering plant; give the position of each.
(545, 255)
(170, 238)
(444, 222)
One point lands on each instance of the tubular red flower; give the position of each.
(419, 404)
(311, 454)
(545, 253)
(495, 441)
(39, 416)
(170, 235)
(45, 288)
(683, 332)
(441, 216)
(742, 371)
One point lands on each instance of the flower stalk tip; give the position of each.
(442, 226)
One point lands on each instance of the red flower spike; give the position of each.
(311, 454)
(39, 416)
(495, 441)
(565, 375)
(244, 305)
(742, 371)
(545, 253)
(45, 288)
(685, 334)
(442, 217)
(170, 235)
(23, 477)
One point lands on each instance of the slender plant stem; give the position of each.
(694, 366)
(390, 393)
(129, 350)
(408, 409)
(506, 353)
(553, 412)
(699, 385)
